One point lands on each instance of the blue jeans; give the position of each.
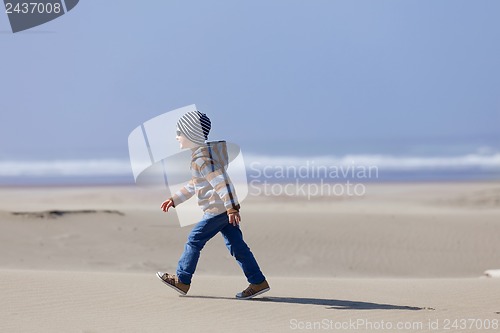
(202, 232)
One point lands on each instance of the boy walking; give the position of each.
(217, 198)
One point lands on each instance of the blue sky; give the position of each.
(277, 77)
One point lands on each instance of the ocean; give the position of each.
(478, 166)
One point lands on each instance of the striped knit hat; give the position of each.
(195, 126)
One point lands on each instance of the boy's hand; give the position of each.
(167, 204)
(234, 218)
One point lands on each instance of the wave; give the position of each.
(65, 168)
(121, 167)
(386, 162)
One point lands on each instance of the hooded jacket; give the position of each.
(210, 181)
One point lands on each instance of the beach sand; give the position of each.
(83, 259)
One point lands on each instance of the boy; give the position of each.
(217, 198)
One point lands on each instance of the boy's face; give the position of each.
(184, 142)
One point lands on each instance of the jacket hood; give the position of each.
(214, 150)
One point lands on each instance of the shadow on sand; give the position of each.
(329, 303)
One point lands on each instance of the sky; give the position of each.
(322, 77)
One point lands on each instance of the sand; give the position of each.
(83, 259)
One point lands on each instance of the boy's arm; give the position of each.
(183, 194)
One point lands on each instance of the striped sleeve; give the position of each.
(184, 193)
